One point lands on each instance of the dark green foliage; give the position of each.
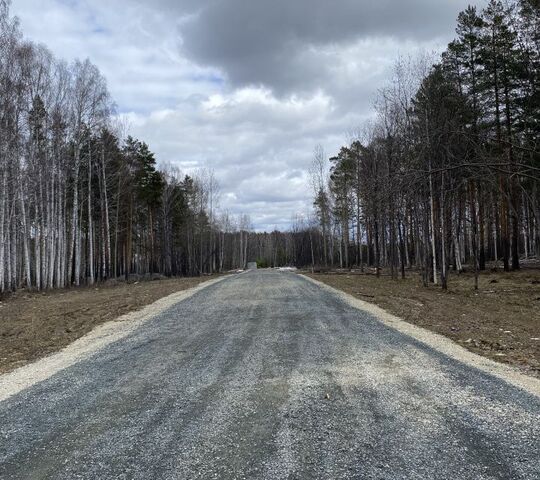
(262, 263)
(148, 180)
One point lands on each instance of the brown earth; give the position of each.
(33, 325)
(500, 321)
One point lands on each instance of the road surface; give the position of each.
(267, 376)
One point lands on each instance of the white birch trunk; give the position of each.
(37, 242)
(90, 225)
(74, 247)
(25, 238)
(3, 194)
(107, 227)
(53, 228)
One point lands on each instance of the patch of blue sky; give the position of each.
(207, 78)
(98, 29)
(144, 106)
(94, 26)
(69, 3)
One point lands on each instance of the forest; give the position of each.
(81, 202)
(446, 177)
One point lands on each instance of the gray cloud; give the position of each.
(246, 87)
(289, 45)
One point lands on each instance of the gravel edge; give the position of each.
(438, 342)
(24, 377)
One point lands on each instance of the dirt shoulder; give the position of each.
(501, 321)
(33, 325)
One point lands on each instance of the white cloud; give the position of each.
(253, 103)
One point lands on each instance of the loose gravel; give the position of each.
(103, 335)
(268, 376)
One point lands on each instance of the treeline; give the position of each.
(295, 247)
(80, 204)
(446, 177)
(448, 174)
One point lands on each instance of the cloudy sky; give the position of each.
(246, 87)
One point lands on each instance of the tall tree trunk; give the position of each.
(432, 225)
(91, 275)
(474, 236)
(25, 238)
(74, 247)
(3, 240)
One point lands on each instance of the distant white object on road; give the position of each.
(252, 266)
(287, 269)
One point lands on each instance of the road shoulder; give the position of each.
(24, 377)
(438, 342)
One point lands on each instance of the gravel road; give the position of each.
(267, 376)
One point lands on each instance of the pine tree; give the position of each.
(502, 67)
